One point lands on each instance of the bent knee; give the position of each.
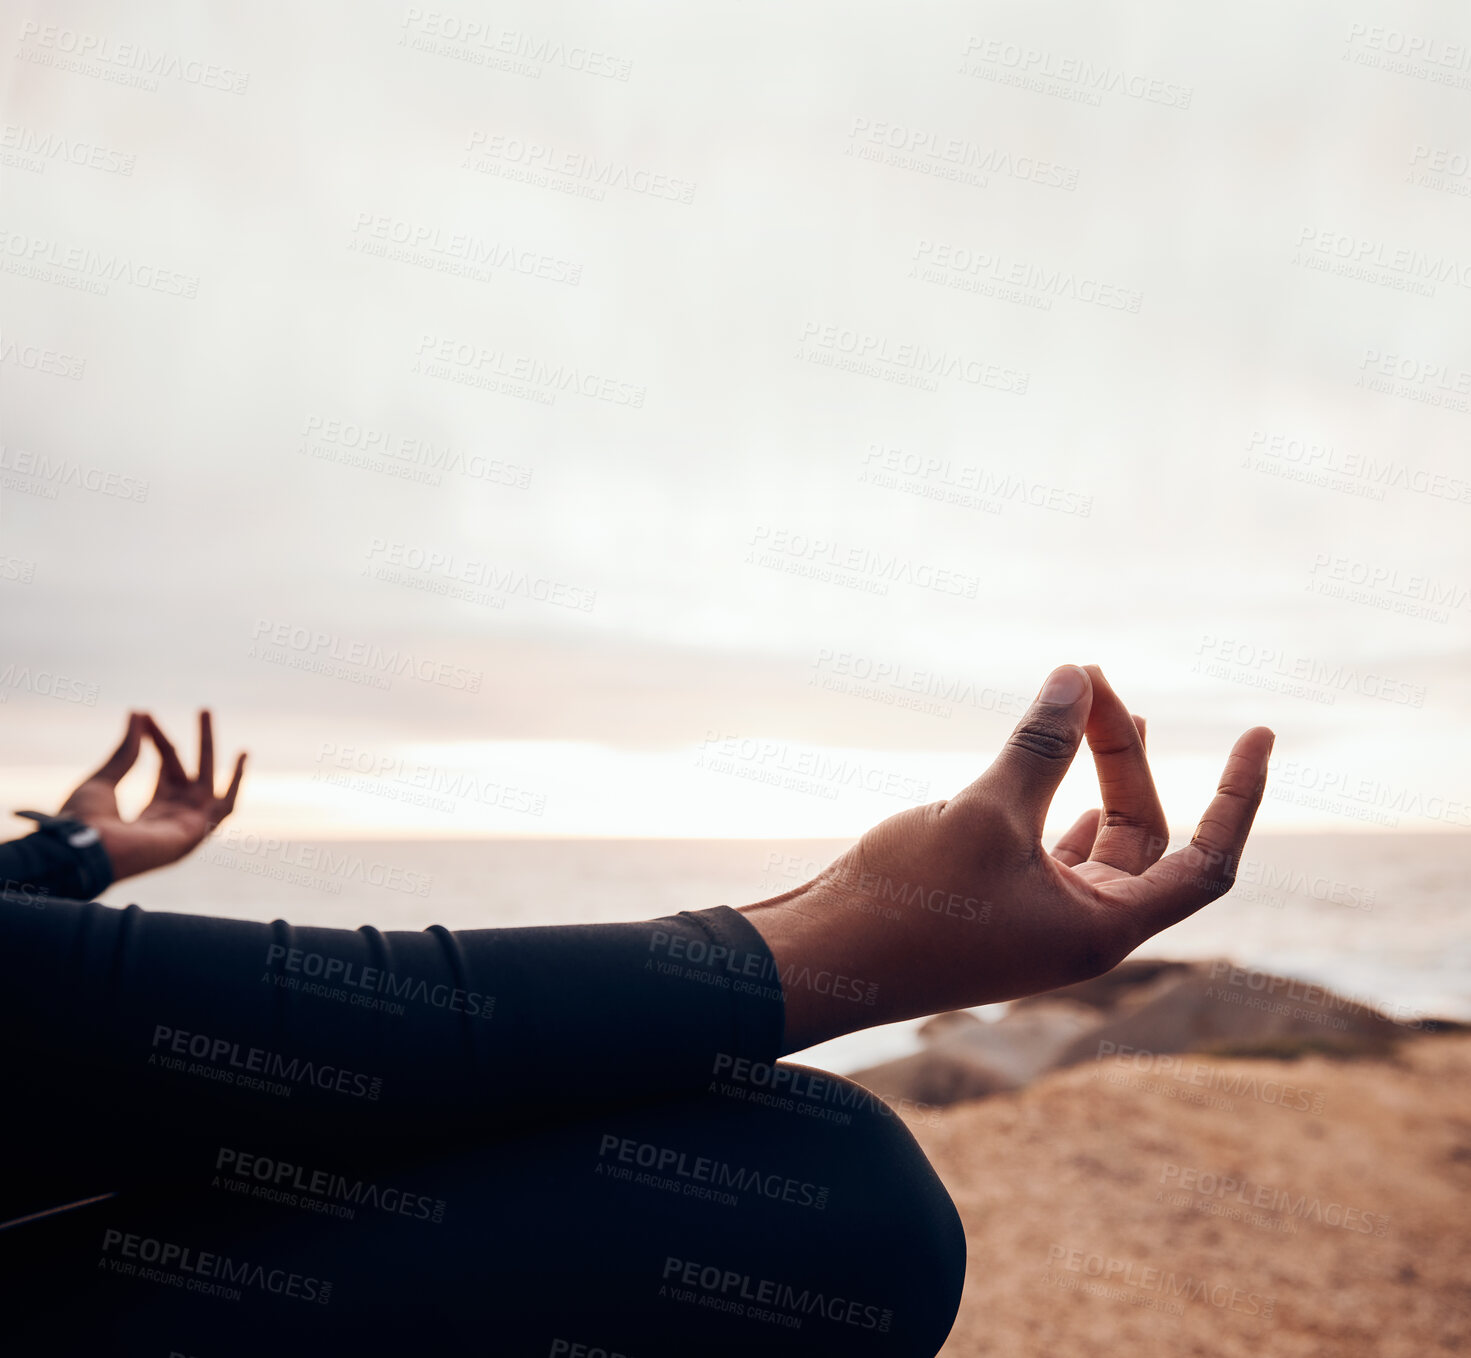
(901, 1231)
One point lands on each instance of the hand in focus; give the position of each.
(179, 817)
(958, 903)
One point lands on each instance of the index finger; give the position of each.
(1205, 868)
(172, 769)
(1133, 832)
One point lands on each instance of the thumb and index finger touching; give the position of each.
(1131, 832)
(172, 771)
(117, 764)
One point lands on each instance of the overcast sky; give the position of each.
(717, 421)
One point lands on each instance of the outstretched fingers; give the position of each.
(207, 751)
(226, 804)
(1204, 869)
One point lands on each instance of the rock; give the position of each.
(1020, 1045)
(1130, 983)
(1228, 1011)
(1141, 1005)
(967, 1058)
(937, 1076)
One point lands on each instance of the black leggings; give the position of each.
(692, 1197)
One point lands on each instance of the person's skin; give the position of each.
(984, 912)
(941, 907)
(180, 815)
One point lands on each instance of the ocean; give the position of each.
(1379, 917)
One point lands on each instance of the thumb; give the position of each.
(125, 756)
(1032, 763)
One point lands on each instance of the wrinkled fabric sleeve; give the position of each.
(209, 1022)
(45, 865)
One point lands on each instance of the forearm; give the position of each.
(364, 1033)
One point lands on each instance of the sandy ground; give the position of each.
(1099, 1219)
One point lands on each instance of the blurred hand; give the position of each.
(181, 814)
(958, 903)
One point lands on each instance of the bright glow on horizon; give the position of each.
(751, 788)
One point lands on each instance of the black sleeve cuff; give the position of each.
(65, 859)
(740, 955)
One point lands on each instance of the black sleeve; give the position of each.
(217, 1022)
(42, 864)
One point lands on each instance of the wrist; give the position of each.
(78, 863)
(833, 979)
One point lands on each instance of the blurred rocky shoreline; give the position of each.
(1138, 1016)
(1196, 1158)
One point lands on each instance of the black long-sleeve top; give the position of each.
(361, 1033)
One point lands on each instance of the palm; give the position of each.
(1047, 918)
(181, 813)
